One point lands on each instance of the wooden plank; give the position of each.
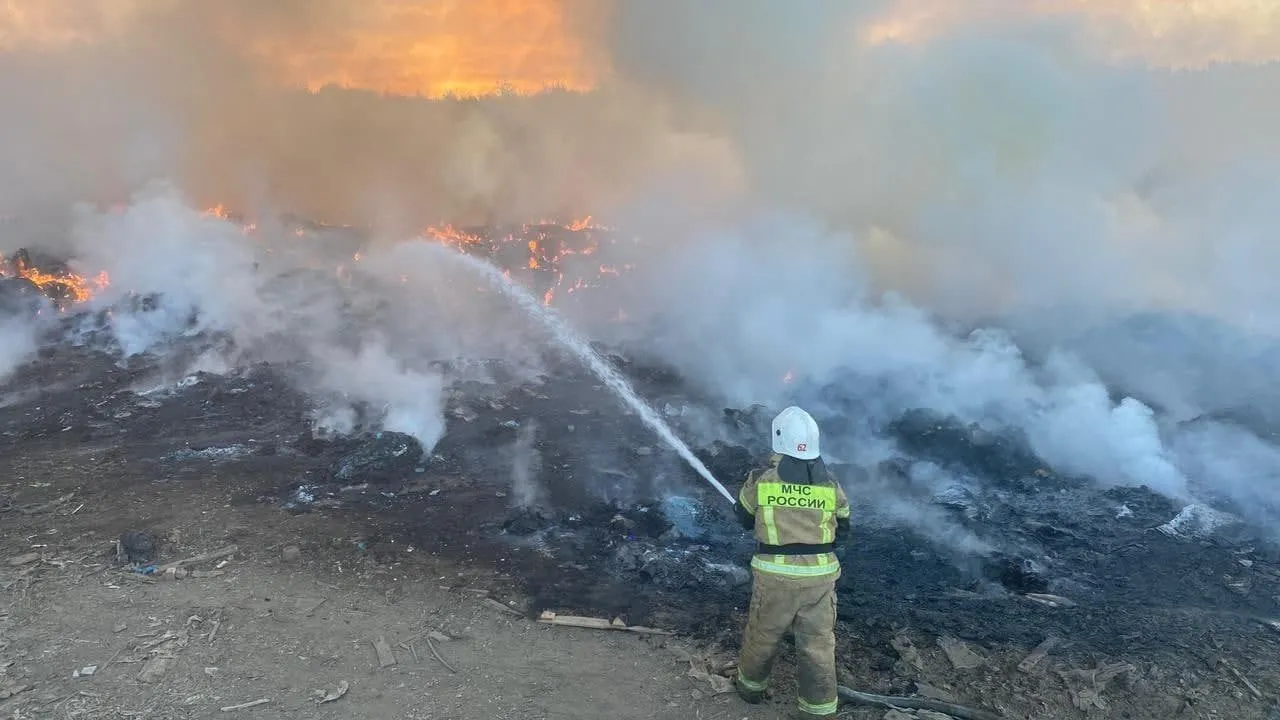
(550, 618)
(1030, 664)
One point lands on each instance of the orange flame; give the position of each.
(461, 48)
(219, 211)
(63, 285)
(547, 246)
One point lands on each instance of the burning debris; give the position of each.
(552, 260)
(21, 278)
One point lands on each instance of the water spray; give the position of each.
(597, 364)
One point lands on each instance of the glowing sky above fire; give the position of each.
(471, 47)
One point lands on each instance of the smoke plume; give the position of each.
(526, 462)
(1101, 221)
(1000, 222)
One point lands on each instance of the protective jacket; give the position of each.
(799, 514)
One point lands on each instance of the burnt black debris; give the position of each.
(926, 434)
(137, 546)
(1019, 575)
(21, 297)
(385, 457)
(527, 521)
(949, 535)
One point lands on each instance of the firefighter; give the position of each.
(799, 513)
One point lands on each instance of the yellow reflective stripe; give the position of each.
(826, 708)
(826, 567)
(750, 684)
(793, 495)
(770, 529)
(742, 498)
(828, 526)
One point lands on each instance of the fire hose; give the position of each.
(914, 703)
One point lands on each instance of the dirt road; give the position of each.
(288, 628)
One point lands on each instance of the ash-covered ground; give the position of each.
(960, 531)
(591, 513)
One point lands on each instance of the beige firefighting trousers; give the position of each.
(807, 607)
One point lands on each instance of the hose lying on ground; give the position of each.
(914, 703)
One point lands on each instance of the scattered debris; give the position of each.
(684, 516)
(1031, 663)
(551, 618)
(146, 573)
(385, 657)
(907, 651)
(216, 554)
(1239, 586)
(700, 670)
(1054, 601)
(291, 554)
(430, 633)
(1086, 686)
(1240, 676)
(246, 706)
(912, 703)
(504, 608)
(328, 696)
(154, 669)
(6, 693)
(432, 647)
(929, 691)
(115, 655)
(86, 671)
(214, 632)
(962, 657)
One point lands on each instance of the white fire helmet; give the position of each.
(795, 433)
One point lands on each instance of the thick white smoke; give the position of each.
(364, 336)
(890, 198)
(18, 342)
(1001, 176)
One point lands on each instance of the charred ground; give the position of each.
(578, 508)
(624, 529)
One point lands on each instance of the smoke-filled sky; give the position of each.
(101, 96)
(1053, 164)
